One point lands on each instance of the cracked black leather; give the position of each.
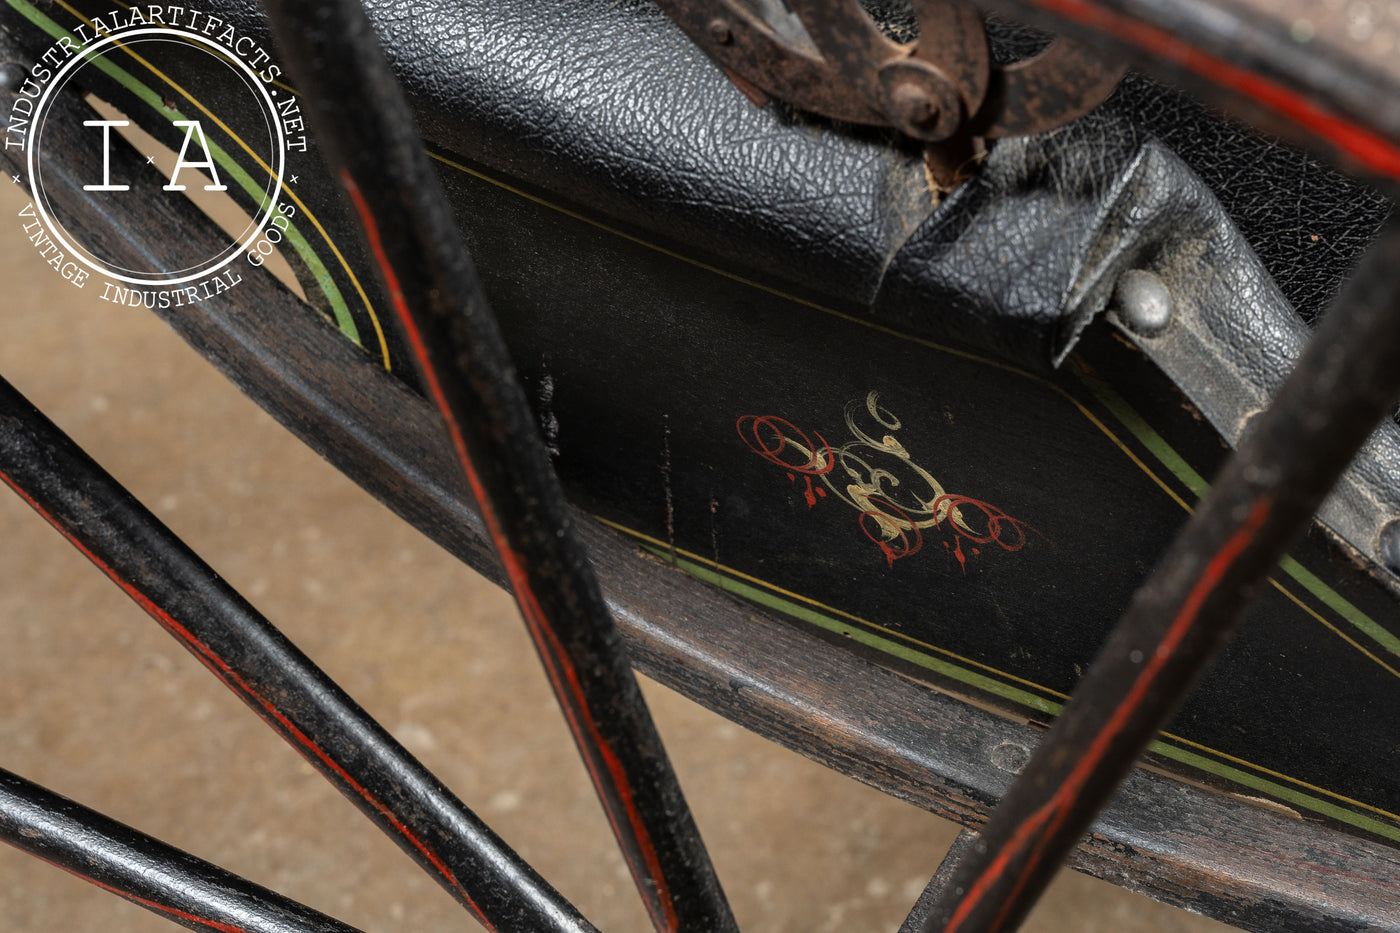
(1307, 224)
(1077, 207)
(608, 108)
(1018, 261)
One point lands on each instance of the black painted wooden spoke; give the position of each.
(919, 913)
(229, 637)
(1324, 89)
(1263, 500)
(145, 871)
(362, 121)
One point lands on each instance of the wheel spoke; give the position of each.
(144, 870)
(363, 124)
(1292, 68)
(301, 703)
(1263, 500)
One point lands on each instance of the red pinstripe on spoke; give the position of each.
(1368, 147)
(152, 905)
(1057, 809)
(562, 676)
(261, 705)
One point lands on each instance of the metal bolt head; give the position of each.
(912, 106)
(919, 100)
(1143, 301)
(720, 31)
(1389, 545)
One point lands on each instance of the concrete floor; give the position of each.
(99, 704)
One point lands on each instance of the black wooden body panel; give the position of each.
(644, 365)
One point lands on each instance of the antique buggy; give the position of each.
(930, 413)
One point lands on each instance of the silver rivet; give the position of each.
(1143, 302)
(720, 31)
(1390, 545)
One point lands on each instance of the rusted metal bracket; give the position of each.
(829, 57)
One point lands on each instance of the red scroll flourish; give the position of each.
(895, 498)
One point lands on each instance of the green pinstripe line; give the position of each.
(855, 633)
(1169, 458)
(1139, 428)
(153, 100)
(1130, 419)
(1281, 791)
(1334, 601)
(1159, 449)
(1105, 394)
(1022, 697)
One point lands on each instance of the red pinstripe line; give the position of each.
(1368, 147)
(269, 712)
(1056, 810)
(152, 905)
(562, 675)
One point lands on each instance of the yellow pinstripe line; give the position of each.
(846, 317)
(879, 328)
(1282, 777)
(1003, 674)
(825, 608)
(1093, 419)
(374, 318)
(1338, 632)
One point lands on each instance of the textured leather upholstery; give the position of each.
(607, 107)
